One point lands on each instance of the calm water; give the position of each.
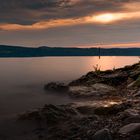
(22, 79)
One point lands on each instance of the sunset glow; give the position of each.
(100, 19)
(105, 18)
(70, 23)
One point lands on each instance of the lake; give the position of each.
(22, 79)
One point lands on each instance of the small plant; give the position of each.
(139, 59)
(97, 69)
(114, 68)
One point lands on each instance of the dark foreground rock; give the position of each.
(77, 121)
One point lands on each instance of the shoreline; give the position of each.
(109, 109)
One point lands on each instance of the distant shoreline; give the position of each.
(68, 56)
(17, 51)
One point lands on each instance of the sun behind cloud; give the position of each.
(104, 18)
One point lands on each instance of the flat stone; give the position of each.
(130, 129)
(131, 112)
(110, 109)
(103, 88)
(82, 91)
(137, 94)
(94, 90)
(103, 134)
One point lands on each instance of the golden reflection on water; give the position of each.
(110, 62)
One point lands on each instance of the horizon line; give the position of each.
(78, 47)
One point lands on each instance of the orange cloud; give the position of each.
(43, 24)
(104, 18)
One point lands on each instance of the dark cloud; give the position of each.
(31, 11)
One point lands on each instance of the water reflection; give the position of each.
(22, 79)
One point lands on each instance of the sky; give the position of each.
(70, 23)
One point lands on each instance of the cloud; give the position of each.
(41, 14)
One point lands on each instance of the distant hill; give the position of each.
(18, 51)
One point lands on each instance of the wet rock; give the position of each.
(98, 90)
(132, 128)
(111, 110)
(103, 88)
(82, 91)
(58, 87)
(103, 134)
(86, 109)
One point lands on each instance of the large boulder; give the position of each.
(103, 134)
(50, 114)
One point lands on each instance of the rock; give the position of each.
(86, 110)
(132, 119)
(50, 114)
(132, 128)
(136, 83)
(131, 85)
(109, 77)
(129, 81)
(131, 112)
(82, 91)
(115, 78)
(130, 116)
(89, 78)
(95, 90)
(103, 88)
(103, 134)
(58, 87)
(111, 110)
(134, 74)
(137, 94)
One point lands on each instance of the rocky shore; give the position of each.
(109, 108)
